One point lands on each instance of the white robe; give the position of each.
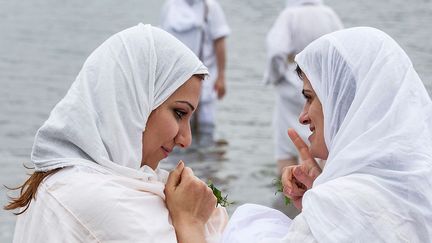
(292, 31)
(95, 134)
(376, 184)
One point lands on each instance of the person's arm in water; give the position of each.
(220, 86)
(190, 203)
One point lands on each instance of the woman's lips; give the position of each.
(166, 151)
(310, 137)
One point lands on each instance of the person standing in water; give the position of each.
(201, 25)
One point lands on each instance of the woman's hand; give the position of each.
(190, 203)
(297, 179)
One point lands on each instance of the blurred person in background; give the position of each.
(201, 25)
(301, 22)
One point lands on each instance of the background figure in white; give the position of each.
(201, 25)
(299, 24)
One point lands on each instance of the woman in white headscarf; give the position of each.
(371, 119)
(96, 158)
(300, 23)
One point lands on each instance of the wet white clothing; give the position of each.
(376, 185)
(96, 132)
(292, 31)
(185, 19)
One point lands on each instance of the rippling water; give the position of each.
(44, 43)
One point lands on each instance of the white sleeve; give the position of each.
(218, 25)
(113, 212)
(252, 223)
(299, 231)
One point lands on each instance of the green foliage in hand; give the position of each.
(279, 188)
(221, 200)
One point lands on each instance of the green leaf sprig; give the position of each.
(279, 188)
(221, 200)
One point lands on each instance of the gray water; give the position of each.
(43, 44)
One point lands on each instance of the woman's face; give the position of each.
(169, 124)
(312, 115)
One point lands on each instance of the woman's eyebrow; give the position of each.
(185, 102)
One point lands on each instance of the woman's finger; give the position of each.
(303, 149)
(301, 174)
(291, 186)
(174, 177)
(300, 145)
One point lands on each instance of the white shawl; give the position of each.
(377, 183)
(99, 123)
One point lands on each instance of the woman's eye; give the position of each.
(179, 113)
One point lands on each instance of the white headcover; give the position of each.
(293, 3)
(377, 182)
(102, 117)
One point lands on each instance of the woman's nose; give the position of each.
(304, 117)
(184, 136)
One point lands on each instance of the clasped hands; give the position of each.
(189, 200)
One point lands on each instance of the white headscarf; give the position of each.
(293, 3)
(102, 117)
(377, 183)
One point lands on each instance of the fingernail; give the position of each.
(297, 171)
(179, 163)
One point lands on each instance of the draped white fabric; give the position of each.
(377, 184)
(103, 115)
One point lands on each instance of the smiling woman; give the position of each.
(169, 124)
(313, 116)
(371, 119)
(96, 158)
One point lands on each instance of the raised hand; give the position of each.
(190, 203)
(296, 180)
